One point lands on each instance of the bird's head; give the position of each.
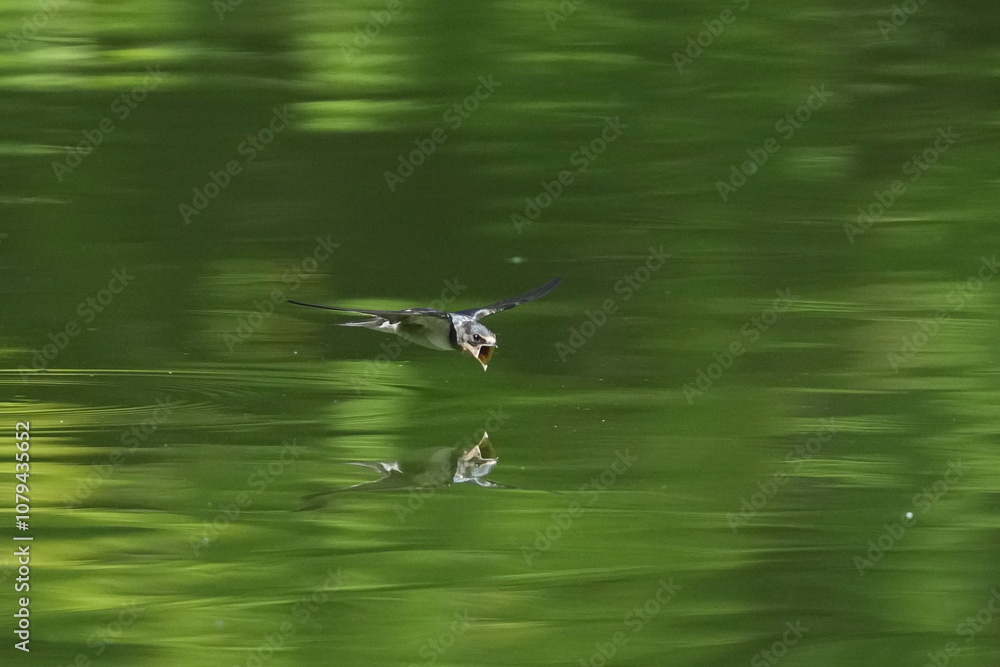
(477, 340)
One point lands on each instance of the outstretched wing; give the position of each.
(506, 304)
(388, 315)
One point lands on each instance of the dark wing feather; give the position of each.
(506, 304)
(388, 315)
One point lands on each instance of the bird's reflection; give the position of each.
(424, 469)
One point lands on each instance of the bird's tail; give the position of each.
(373, 323)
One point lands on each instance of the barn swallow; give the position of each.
(439, 329)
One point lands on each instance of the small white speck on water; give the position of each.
(909, 515)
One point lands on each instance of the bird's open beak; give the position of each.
(482, 353)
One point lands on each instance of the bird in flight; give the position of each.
(439, 329)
